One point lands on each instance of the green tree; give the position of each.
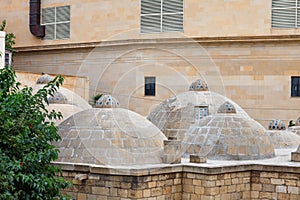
(26, 134)
(9, 37)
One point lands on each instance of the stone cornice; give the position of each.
(200, 40)
(176, 168)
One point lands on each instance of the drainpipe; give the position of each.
(35, 19)
(2, 49)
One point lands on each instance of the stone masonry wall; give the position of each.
(185, 182)
(116, 187)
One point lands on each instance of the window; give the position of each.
(200, 112)
(149, 86)
(8, 58)
(295, 86)
(285, 13)
(161, 16)
(57, 22)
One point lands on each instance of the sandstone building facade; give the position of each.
(143, 51)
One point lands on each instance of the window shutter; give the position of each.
(284, 13)
(173, 22)
(150, 6)
(63, 30)
(150, 23)
(283, 18)
(63, 14)
(172, 6)
(48, 15)
(50, 32)
(283, 3)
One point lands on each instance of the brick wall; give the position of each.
(182, 182)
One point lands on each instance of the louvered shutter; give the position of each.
(150, 6)
(172, 6)
(50, 32)
(172, 22)
(150, 16)
(48, 15)
(63, 14)
(284, 13)
(63, 30)
(150, 23)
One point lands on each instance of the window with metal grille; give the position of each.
(57, 22)
(295, 86)
(161, 16)
(149, 86)
(285, 13)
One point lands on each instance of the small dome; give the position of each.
(68, 102)
(276, 124)
(297, 122)
(107, 101)
(284, 139)
(199, 85)
(44, 79)
(58, 98)
(176, 114)
(112, 136)
(228, 137)
(227, 107)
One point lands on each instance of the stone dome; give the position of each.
(107, 101)
(176, 114)
(228, 137)
(276, 124)
(226, 107)
(67, 102)
(198, 85)
(284, 139)
(58, 98)
(44, 79)
(112, 136)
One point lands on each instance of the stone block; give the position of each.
(197, 159)
(172, 151)
(295, 156)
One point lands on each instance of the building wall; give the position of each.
(95, 21)
(233, 48)
(79, 85)
(255, 74)
(185, 183)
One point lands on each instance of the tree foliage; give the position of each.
(9, 37)
(26, 134)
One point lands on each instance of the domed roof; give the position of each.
(198, 85)
(65, 101)
(58, 98)
(227, 107)
(112, 136)
(284, 139)
(175, 115)
(228, 137)
(44, 79)
(276, 124)
(107, 101)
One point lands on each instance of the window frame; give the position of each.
(152, 90)
(298, 86)
(55, 23)
(161, 14)
(297, 12)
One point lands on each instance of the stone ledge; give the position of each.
(200, 40)
(165, 169)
